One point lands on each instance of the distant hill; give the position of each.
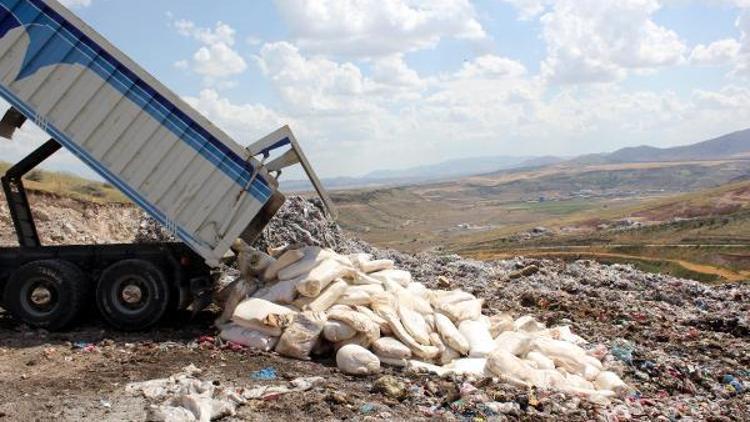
(445, 170)
(733, 145)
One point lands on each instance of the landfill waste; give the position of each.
(621, 311)
(185, 397)
(426, 325)
(265, 374)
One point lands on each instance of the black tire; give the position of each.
(132, 294)
(46, 294)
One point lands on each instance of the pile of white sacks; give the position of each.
(315, 301)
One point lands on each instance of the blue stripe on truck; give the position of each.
(54, 41)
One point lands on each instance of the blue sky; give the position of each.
(373, 84)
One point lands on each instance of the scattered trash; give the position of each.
(183, 396)
(265, 374)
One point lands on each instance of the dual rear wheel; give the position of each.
(131, 294)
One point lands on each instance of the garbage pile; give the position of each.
(313, 301)
(184, 397)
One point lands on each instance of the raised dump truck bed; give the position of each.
(186, 173)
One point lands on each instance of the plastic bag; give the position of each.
(300, 337)
(336, 331)
(391, 348)
(262, 315)
(286, 259)
(248, 337)
(321, 276)
(450, 334)
(478, 337)
(516, 343)
(424, 367)
(329, 296)
(356, 360)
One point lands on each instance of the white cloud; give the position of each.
(246, 123)
(717, 53)
(216, 58)
(528, 9)
(602, 40)
(75, 3)
(491, 66)
(315, 84)
(370, 28)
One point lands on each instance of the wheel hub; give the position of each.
(41, 296)
(132, 294)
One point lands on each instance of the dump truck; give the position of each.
(183, 171)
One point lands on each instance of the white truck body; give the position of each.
(137, 134)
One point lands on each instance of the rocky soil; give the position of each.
(683, 346)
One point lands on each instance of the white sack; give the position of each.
(313, 255)
(468, 366)
(385, 329)
(424, 367)
(542, 362)
(528, 324)
(546, 378)
(565, 355)
(399, 363)
(321, 276)
(478, 337)
(356, 360)
(358, 321)
(419, 290)
(328, 297)
(286, 259)
(450, 334)
(367, 265)
(383, 307)
(336, 331)
(414, 324)
(467, 310)
(360, 295)
(391, 348)
(248, 337)
(516, 343)
(250, 261)
(500, 323)
(282, 292)
(262, 315)
(300, 337)
(401, 277)
(508, 366)
(607, 380)
(231, 296)
(449, 355)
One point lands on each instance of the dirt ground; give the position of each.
(49, 376)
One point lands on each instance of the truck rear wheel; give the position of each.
(132, 294)
(46, 294)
